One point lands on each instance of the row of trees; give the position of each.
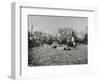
(39, 38)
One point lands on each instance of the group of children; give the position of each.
(68, 45)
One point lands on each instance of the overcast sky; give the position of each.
(51, 24)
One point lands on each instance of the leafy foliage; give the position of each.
(38, 38)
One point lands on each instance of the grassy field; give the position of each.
(45, 55)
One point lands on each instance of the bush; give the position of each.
(85, 40)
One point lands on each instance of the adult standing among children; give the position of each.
(73, 42)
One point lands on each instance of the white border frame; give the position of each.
(17, 70)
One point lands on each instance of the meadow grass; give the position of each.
(46, 56)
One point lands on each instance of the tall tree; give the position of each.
(66, 33)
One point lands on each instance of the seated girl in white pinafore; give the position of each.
(54, 45)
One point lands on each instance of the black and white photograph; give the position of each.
(57, 40)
